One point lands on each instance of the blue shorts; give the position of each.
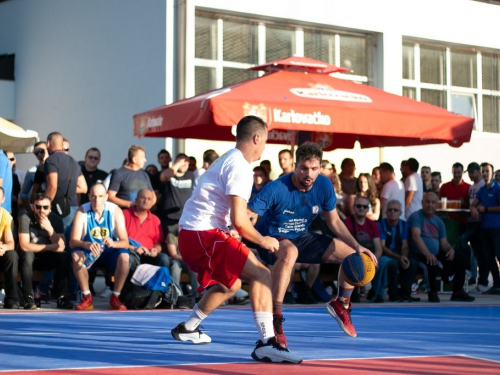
(107, 259)
(311, 247)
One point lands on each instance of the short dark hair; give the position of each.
(93, 149)
(41, 197)
(345, 161)
(132, 151)
(491, 165)
(425, 166)
(181, 155)
(386, 167)
(412, 163)
(249, 126)
(210, 156)
(307, 151)
(163, 152)
(262, 169)
(40, 143)
(434, 174)
(458, 165)
(286, 151)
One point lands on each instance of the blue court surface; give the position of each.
(136, 339)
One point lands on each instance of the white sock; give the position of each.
(116, 293)
(194, 319)
(86, 292)
(264, 323)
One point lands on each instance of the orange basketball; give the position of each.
(357, 270)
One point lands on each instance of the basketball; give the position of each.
(357, 270)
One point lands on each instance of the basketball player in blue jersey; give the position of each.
(99, 227)
(288, 206)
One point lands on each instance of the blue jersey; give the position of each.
(490, 197)
(287, 211)
(96, 231)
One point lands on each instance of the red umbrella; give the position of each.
(337, 112)
(299, 64)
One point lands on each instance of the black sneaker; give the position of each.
(433, 297)
(11, 304)
(180, 333)
(461, 297)
(272, 351)
(29, 303)
(64, 303)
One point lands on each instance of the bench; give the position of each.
(37, 276)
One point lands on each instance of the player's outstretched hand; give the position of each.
(372, 256)
(270, 243)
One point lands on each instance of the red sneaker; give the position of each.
(278, 329)
(341, 315)
(85, 303)
(115, 303)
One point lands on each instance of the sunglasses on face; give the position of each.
(392, 210)
(93, 157)
(38, 207)
(363, 206)
(39, 152)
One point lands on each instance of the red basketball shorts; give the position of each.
(214, 255)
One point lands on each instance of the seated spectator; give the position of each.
(394, 265)
(365, 187)
(366, 232)
(260, 179)
(435, 182)
(341, 196)
(431, 248)
(327, 168)
(145, 228)
(347, 179)
(376, 179)
(41, 247)
(151, 170)
(99, 227)
(8, 257)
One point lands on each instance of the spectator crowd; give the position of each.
(61, 211)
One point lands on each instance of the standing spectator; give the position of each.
(435, 182)
(63, 176)
(413, 188)
(151, 170)
(41, 247)
(16, 189)
(209, 156)
(472, 233)
(8, 257)
(99, 228)
(260, 180)
(425, 174)
(90, 171)
(192, 164)
(267, 165)
(487, 207)
(6, 181)
(431, 248)
(378, 182)
(402, 169)
(327, 168)
(497, 176)
(347, 179)
(40, 152)
(145, 228)
(393, 189)
(129, 179)
(164, 159)
(399, 269)
(457, 188)
(285, 158)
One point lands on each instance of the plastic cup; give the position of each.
(444, 202)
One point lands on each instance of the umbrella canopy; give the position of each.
(337, 112)
(16, 139)
(299, 64)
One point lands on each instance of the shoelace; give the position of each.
(278, 324)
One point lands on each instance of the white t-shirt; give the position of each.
(209, 206)
(473, 192)
(393, 189)
(414, 183)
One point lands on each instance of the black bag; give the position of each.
(174, 298)
(135, 297)
(60, 204)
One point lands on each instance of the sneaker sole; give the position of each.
(91, 307)
(269, 359)
(176, 336)
(331, 311)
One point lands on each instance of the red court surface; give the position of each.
(449, 365)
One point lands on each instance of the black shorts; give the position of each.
(311, 247)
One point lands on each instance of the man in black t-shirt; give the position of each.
(41, 247)
(90, 171)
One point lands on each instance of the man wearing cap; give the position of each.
(471, 233)
(486, 207)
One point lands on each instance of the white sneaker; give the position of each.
(180, 333)
(272, 351)
(106, 293)
(242, 293)
(482, 288)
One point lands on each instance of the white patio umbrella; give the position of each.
(16, 139)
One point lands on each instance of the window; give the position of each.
(449, 77)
